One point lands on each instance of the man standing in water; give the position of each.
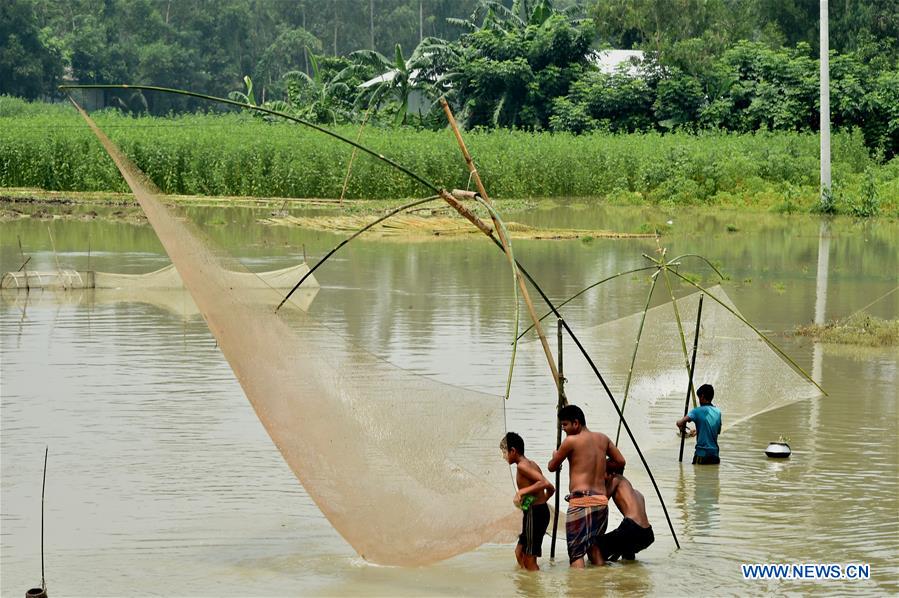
(588, 510)
(707, 418)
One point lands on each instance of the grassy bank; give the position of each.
(49, 147)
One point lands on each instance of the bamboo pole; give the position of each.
(683, 433)
(761, 335)
(349, 167)
(585, 289)
(347, 240)
(680, 326)
(56, 256)
(505, 243)
(24, 263)
(43, 492)
(630, 371)
(559, 405)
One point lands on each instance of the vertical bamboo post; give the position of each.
(43, 492)
(346, 179)
(680, 326)
(24, 263)
(505, 243)
(630, 371)
(56, 256)
(562, 402)
(683, 432)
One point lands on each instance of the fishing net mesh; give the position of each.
(748, 375)
(406, 469)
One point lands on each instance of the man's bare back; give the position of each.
(586, 452)
(628, 499)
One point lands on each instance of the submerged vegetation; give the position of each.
(46, 146)
(858, 329)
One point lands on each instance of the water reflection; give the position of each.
(161, 479)
(697, 499)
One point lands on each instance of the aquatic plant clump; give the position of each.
(858, 329)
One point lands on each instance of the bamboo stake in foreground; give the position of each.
(559, 405)
(683, 432)
(505, 243)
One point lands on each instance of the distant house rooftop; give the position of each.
(389, 76)
(609, 61)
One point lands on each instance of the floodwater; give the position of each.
(162, 481)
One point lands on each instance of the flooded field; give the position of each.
(162, 481)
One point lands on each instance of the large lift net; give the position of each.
(406, 469)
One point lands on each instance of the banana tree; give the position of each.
(400, 77)
(316, 97)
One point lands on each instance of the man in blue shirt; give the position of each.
(707, 418)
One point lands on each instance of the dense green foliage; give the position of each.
(49, 147)
(731, 65)
(750, 87)
(204, 45)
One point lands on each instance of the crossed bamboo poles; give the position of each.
(453, 199)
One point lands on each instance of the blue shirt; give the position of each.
(708, 426)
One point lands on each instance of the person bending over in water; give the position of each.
(588, 512)
(707, 418)
(533, 492)
(634, 534)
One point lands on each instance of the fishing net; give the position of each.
(54, 279)
(748, 375)
(406, 469)
(164, 278)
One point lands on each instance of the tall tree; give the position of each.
(29, 67)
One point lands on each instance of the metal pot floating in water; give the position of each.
(778, 450)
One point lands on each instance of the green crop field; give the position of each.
(50, 147)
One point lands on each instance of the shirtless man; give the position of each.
(634, 534)
(588, 511)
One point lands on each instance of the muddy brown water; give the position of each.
(161, 481)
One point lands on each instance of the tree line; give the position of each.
(734, 65)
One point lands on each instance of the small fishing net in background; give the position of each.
(407, 470)
(748, 375)
(53, 279)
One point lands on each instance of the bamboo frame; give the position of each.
(768, 341)
(585, 289)
(506, 246)
(630, 371)
(680, 326)
(452, 201)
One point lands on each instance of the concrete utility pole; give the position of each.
(824, 60)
